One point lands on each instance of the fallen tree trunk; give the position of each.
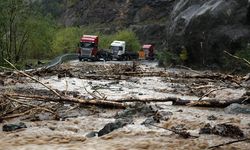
(217, 103)
(101, 103)
(121, 102)
(193, 103)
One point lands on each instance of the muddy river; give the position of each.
(78, 126)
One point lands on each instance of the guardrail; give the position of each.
(57, 61)
(60, 59)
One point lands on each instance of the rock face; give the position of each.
(204, 27)
(208, 27)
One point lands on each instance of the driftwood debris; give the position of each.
(183, 134)
(194, 103)
(102, 103)
(238, 58)
(228, 143)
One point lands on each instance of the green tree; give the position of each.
(66, 40)
(24, 31)
(13, 14)
(41, 35)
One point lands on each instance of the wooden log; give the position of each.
(194, 103)
(217, 103)
(228, 143)
(101, 103)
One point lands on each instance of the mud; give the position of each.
(125, 80)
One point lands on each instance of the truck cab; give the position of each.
(118, 49)
(88, 47)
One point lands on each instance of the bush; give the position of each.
(167, 58)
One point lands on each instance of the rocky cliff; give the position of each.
(208, 27)
(204, 27)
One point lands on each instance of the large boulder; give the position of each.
(208, 27)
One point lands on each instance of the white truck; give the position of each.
(119, 52)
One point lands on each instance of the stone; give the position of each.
(212, 117)
(137, 110)
(13, 127)
(226, 130)
(237, 109)
(119, 123)
(207, 129)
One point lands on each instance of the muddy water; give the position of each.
(70, 134)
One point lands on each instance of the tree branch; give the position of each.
(236, 57)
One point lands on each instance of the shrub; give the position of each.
(167, 58)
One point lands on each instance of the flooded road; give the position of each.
(72, 130)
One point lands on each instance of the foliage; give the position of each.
(71, 3)
(54, 8)
(24, 31)
(14, 34)
(132, 42)
(167, 58)
(66, 40)
(41, 35)
(105, 41)
(237, 65)
(245, 53)
(184, 55)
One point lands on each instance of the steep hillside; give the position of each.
(146, 17)
(204, 27)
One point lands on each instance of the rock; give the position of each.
(208, 27)
(237, 108)
(151, 120)
(180, 110)
(13, 127)
(212, 117)
(179, 128)
(138, 110)
(225, 130)
(207, 129)
(119, 123)
(165, 113)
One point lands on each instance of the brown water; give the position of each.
(70, 134)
